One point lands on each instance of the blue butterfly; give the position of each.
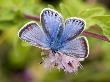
(57, 35)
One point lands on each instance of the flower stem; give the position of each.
(85, 33)
(35, 18)
(95, 35)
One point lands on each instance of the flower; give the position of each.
(61, 61)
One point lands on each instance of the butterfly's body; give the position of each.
(55, 44)
(58, 37)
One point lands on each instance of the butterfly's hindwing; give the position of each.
(77, 47)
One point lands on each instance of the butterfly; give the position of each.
(60, 40)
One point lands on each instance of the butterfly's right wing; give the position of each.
(32, 33)
(73, 27)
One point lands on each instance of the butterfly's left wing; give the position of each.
(32, 33)
(77, 47)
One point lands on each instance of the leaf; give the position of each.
(87, 13)
(3, 4)
(70, 8)
(6, 14)
(6, 24)
(104, 23)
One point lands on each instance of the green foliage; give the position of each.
(104, 23)
(88, 15)
(6, 15)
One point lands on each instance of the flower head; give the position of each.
(61, 61)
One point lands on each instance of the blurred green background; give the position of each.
(20, 62)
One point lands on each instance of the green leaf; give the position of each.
(87, 13)
(71, 8)
(7, 4)
(104, 23)
(6, 24)
(6, 14)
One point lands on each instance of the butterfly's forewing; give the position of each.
(77, 47)
(52, 23)
(73, 27)
(33, 34)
